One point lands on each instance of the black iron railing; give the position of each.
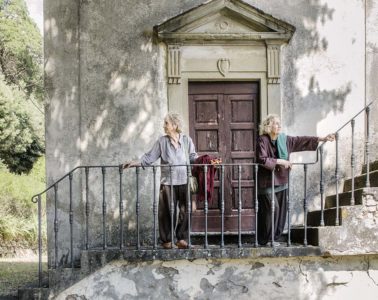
(122, 240)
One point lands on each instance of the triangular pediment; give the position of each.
(224, 20)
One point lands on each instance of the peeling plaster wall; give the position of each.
(276, 278)
(106, 94)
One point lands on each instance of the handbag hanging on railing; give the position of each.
(193, 183)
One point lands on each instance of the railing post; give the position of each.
(239, 207)
(86, 208)
(39, 242)
(137, 207)
(172, 208)
(367, 145)
(56, 226)
(321, 186)
(222, 207)
(337, 176)
(305, 205)
(352, 162)
(104, 242)
(155, 208)
(288, 210)
(206, 207)
(273, 207)
(189, 205)
(256, 204)
(120, 169)
(70, 176)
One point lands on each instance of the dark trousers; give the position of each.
(179, 198)
(264, 222)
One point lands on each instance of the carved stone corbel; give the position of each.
(174, 64)
(274, 58)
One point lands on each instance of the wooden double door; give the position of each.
(223, 120)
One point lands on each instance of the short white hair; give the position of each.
(175, 119)
(266, 124)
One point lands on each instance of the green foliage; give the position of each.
(18, 215)
(20, 48)
(21, 130)
(21, 88)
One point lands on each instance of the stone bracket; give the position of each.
(174, 64)
(273, 59)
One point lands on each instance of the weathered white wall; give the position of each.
(372, 68)
(273, 278)
(107, 92)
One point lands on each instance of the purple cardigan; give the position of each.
(267, 156)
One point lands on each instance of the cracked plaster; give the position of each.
(274, 278)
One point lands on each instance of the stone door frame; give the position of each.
(223, 40)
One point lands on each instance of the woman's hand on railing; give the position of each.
(285, 163)
(130, 164)
(328, 138)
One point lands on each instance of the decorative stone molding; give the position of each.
(273, 59)
(210, 36)
(223, 65)
(174, 64)
(223, 25)
(224, 21)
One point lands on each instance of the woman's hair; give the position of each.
(266, 124)
(175, 119)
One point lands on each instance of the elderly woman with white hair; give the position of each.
(273, 151)
(174, 148)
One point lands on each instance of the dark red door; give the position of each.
(223, 120)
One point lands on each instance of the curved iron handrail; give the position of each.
(117, 166)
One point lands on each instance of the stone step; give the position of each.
(373, 167)
(355, 236)
(313, 217)
(360, 181)
(297, 235)
(33, 293)
(344, 199)
(62, 278)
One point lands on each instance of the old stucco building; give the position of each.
(115, 68)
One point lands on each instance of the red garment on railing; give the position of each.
(198, 172)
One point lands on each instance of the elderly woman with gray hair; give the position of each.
(174, 148)
(273, 151)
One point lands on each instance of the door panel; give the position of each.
(223, 118)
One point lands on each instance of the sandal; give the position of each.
(167, 245)
(182, 244)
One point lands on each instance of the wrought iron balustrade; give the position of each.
(124, 243)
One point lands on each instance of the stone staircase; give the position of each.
(357, 231)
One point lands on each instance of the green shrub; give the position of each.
(18, 215)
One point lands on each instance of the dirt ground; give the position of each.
(18, 272)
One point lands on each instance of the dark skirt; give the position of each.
(180, 224)
(264, 222)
